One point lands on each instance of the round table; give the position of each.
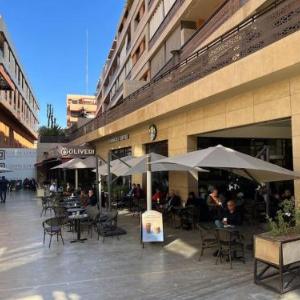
(77, 219)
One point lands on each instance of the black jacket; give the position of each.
(3, 185)
(93, 200)
(233, 218)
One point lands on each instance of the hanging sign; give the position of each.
(153, 132)
(152, 227)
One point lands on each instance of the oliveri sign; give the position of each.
(77, 151)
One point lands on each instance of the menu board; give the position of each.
(152, 227)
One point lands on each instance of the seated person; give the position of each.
(157, 197)
(231, 216)
(92, 198)
(173, 201)
(84, 198)
(192, 200)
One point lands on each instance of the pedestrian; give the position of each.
(3, 189)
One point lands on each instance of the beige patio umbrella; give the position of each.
(239, 163)
(67, 165)
(138, 165)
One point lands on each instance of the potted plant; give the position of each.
(279, 248)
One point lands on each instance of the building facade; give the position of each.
(19, 107)
(235, 81)
(80, 106)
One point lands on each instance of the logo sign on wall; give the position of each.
(2, 154)
(153, 132)
(77, 151)
(152, 227)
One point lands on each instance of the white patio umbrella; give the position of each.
(228, 159)
(4, 170)
(114, 165)
(66, 164)
(87, 163)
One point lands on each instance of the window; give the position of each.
(139, 15)
(156, 19)
(139, 51)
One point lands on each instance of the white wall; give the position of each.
(20, 161)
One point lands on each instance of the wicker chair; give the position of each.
(53, 227)
(47, 205)
(208, 238)
(229, 243)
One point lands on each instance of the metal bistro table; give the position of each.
(77, 218)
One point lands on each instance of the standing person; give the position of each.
(3, 189)
(214, 204)
(92, 198)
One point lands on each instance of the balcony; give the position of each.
(273, 23)
(165, 22)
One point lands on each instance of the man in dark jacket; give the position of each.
(231, 216)
(3, 189)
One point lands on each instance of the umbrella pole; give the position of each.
(109, 180)
(149, 183)
(98, 184)
(76, 179)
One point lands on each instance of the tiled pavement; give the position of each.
(116, 269)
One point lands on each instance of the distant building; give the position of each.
(19, 107)
(80, 106)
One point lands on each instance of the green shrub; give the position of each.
(287, 220)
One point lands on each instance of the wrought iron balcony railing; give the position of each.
(278, 20)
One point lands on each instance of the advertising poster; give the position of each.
(152, 227)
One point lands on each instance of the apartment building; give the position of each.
(19, 107)
(80, 107)
(199, 73)
(148, 34)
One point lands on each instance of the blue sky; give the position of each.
(50, 38)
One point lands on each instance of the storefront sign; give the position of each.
(152, 227)
(119, 138)
(153, 132)
(77, 151)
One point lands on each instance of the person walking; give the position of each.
(3, 189)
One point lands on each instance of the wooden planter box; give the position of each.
(281, 254)
(40, 193)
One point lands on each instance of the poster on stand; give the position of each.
(152, 227)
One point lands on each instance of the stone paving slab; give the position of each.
(115, 269)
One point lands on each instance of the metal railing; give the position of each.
(278, 20)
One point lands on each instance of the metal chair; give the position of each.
(208, 238)
(229, 243)
(47, 204)
(53, 227)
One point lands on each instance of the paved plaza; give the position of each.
(115, 269)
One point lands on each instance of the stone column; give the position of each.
(138, 150)
(295, 119)
(182, 182)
